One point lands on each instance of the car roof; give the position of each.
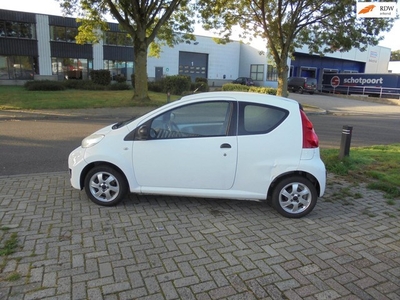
(238, 96)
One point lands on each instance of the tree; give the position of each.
(323, 26)
(148, 23)
(395, 55)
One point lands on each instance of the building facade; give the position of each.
(37, 46)
(374, 60)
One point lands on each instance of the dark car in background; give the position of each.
(302, 84)
(244, 81)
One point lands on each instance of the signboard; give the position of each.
(376, 9)
(335, 81)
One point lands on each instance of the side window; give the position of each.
(194, 120)
(259, 119)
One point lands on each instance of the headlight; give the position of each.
(92, 140)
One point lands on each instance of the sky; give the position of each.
(52, 7)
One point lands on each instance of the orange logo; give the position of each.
(367, 9)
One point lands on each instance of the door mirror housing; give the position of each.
(142, 133)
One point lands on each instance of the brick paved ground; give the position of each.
(154, 247)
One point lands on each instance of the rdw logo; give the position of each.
(376, 10)
(367, 9)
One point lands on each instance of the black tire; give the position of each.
(301, 91)
(105, 185)
(294, 197)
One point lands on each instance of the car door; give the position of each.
(188, 147)
(268, 143)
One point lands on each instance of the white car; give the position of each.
(233, 145)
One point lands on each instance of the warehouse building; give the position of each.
(37, 46)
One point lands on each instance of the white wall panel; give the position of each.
(222, 59)
(43, 37)
(98, 63)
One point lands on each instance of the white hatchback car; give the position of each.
(230, 145)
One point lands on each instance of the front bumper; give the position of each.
(76, 164)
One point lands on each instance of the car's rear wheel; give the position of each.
(105, 185)
(294, 197)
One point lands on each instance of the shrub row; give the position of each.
(48, 85)
(179, 85)
(101, 77)
(44, 85)
(245, 88)
(176, 85)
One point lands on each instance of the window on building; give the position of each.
(17, 30)
(257, 72)
(70, 34)
(111, 38)
(119, 67)
(16, 67)
(117, 39)
(272, 73)
(71, 68)
(63, 34)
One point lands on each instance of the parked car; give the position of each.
(244, 81)
(302, 84)
(232, 145)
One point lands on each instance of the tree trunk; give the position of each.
(141, 86)
(282, 70)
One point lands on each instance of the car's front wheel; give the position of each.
(105, 185)
(294, 197)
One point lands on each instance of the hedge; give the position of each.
(44, 85)
(177, 84)
(102, 77)
(245, 88)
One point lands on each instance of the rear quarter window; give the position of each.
(259, 119)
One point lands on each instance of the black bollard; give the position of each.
(345, 142)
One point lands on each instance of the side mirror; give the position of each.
(142, 133)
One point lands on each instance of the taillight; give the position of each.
(310, 138)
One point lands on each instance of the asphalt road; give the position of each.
(37, 145)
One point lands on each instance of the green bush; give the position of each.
(201, 79)
(235, 87)
(198, 87)
(245, 88)
(91, 86)
(83, 85)
(101, 77)
(177, 84)
(119, 86)
(263, 90)
(120, 78)
(44, 85)
(73, 84)
(156, 86)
